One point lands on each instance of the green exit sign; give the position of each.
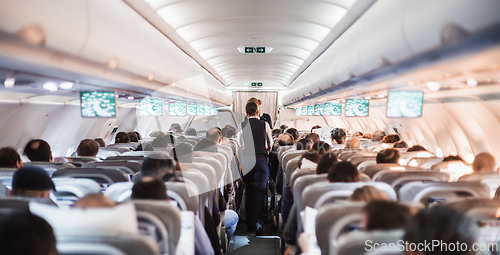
(259, 84)
(255, 49)
(254, 84)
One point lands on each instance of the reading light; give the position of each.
(9, 82)
(368, 97)
(380, 96)
(130, 98)
(66, 85)
(471, 82)
(433, 85)
(50, 86)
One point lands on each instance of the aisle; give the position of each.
(246, 243)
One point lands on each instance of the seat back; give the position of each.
(374, 169)
(126, 158)
(437, 192)
(68, 190)
(282, 149)
(291, 166)
(301, 172)
(301, 183)
(105, 177)
(289, 156)
(421, 161)
(355, 243)
(456, 169)
(398, 178)
(492, 179)
(117, 149)
(81, 159)
(6, 176)
(358, 159)
(129, 167)
(477, 208)
(347, 153)
(50, 167)
(162, 218)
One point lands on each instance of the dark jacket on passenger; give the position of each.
(206, 145)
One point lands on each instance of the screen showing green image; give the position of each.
(404, 104)
(310, 110)
(208, 110)
(177, 109)
(356, 107)
(215, 111)
(318, 109)
(304, 110)
(192, 109)
(151, 107)
(201, 110)
(332, 109)
(298, 111)
(98, 104)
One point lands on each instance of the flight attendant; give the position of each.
(256, 140)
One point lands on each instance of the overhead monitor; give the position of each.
(407, 104)
(192, 109)
(98, 104)
(201, 110)
(215, 111)
(208, 110)
(332, 109)
(356, 107)
(151, 107)
(298, 111)
(304, 110)
(310, 110)
(318, 109)
(178, 109)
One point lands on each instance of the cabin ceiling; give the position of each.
(219, 30)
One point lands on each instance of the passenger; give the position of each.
(150, 188)
(343, 172)
(38, 150)
(392, 138)
(156, 134)
(122, 137)
(357, 134)
(101, 142)
(283, 127)
(31, 181)
(276, 132)
(133, 137)
(484, 162)
(183, 153)
(294, 132)
(367, 136)
(190, 132)
(321, 147)
(313, 136)
(23, 233)
(416, 148)
(9, 158)
(158, 166)
(400, 144)
(368, 193)
(443, 224)
(210, 142)
(378, 135)
(304, 144)
(166, 141)
(453, 158)
(285, 139)
(325, 163)
(376, 212)
(315, 127)
(87, 148)
(338, 136)
(353, 143)
(139, 136)
(309, 159)
(94, 200)
(388, 156)
(175, 128)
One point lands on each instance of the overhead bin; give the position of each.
(390, 32)
(103, 31)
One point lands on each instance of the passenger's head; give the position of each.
(215, 135)
(88, 148)
(304, 144)
(175, 127)
(453, 158)
(285, 139)
(416, 148)
(283, 127)
(367, 136)
(358, 134)
(353, 143)
(139, 137)
(388, 156)
(378, 135)
(368, 193)
(133, 137)
(313, 136)
(255, 100)
(392, 138)
(38, 150)
(386, 215)
(94, 200)
(294, 132)
(311, 156)
(190, 131)
(31, 181)
(338, 135)
(315, 127)
(163, 141)
(321, 147)
(343, 172)
(441, 223)
(156, 134)
(101, 142)
(122, 137)
(400, 144)
(276, 132)
(9, 158)
(325, 163)
(157, 166)
(252, 109)
(230, 132)
(26, 234)
(484, 162)
(149, 188)
(183, 152)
